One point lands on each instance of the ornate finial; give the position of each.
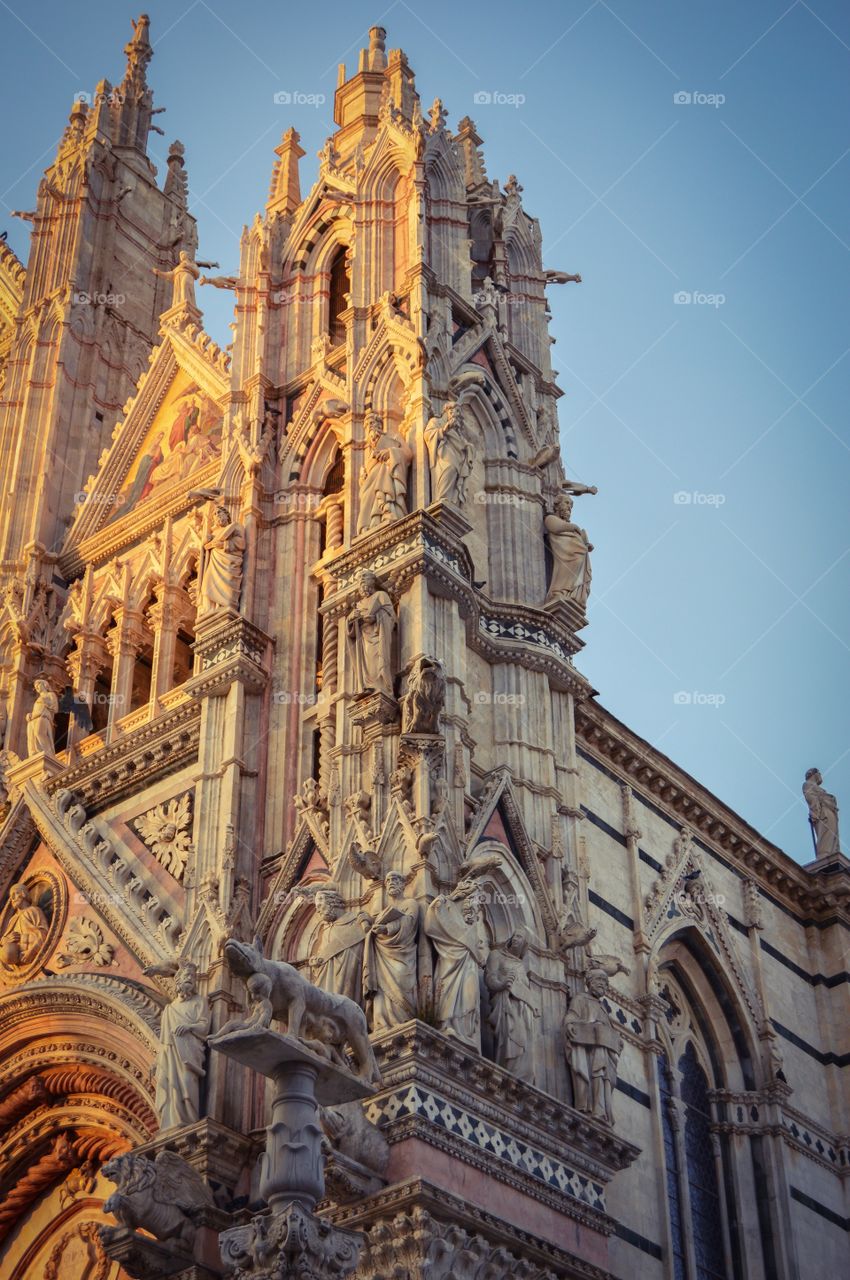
(285, 189)
(438, 116)
(176, 184)
(377, 48)
(138, 52)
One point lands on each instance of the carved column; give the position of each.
(84, 666)
(124, 641)
(332, 508)
(289, 1235)
(327, 703)
(171, 608)
(633, 833)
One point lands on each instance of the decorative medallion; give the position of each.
(30, 922)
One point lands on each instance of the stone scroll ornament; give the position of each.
(592, 1045)
(308, 1067)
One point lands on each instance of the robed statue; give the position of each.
(221, 585)
(452, 924)
(390, 970)
(513, 1008)
(337, 962)
(592, 1045)
(823, 815)
(370, 626)
(383, 479)
(184, 1026)
(571, 550)
(40, 720)
(450, 454)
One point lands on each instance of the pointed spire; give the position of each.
(400, 78)
(176, 185)
(139, 54)
(473, 161)
(132, 103)
(285, 190)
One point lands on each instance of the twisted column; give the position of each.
(38, 1178)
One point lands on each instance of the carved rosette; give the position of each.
(166, 832)
(289, 1242)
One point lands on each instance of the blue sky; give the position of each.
(736, 400)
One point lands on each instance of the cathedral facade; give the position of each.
(290, 684)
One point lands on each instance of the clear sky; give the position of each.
(735, 400)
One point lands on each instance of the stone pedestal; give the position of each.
(373, 709)
(289, 1239)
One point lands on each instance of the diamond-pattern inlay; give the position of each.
(487, 1137)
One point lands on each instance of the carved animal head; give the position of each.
(129, 1173)
(243, 958)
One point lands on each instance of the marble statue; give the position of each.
(337, 963)
(370, 626)
(390, 968)
(451, 922)
(221, 586)
(451, 455)
(513, 1008)
(383, 480)
(424, 697)
(593, 1046)
(179, 1066)
(310, 1013)
(182, 276)
(823, 815)
(571, 550)
(161, 1196)
(25, 930)
(260, 1009)
(40, 719)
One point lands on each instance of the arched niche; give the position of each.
(75, 1089)
(712, 989)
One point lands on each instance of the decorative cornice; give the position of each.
(123, 894)
(428, 542)
(229, 648)
(415, 1210)
(667, 787)
(134, 760)
(416, 1054)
